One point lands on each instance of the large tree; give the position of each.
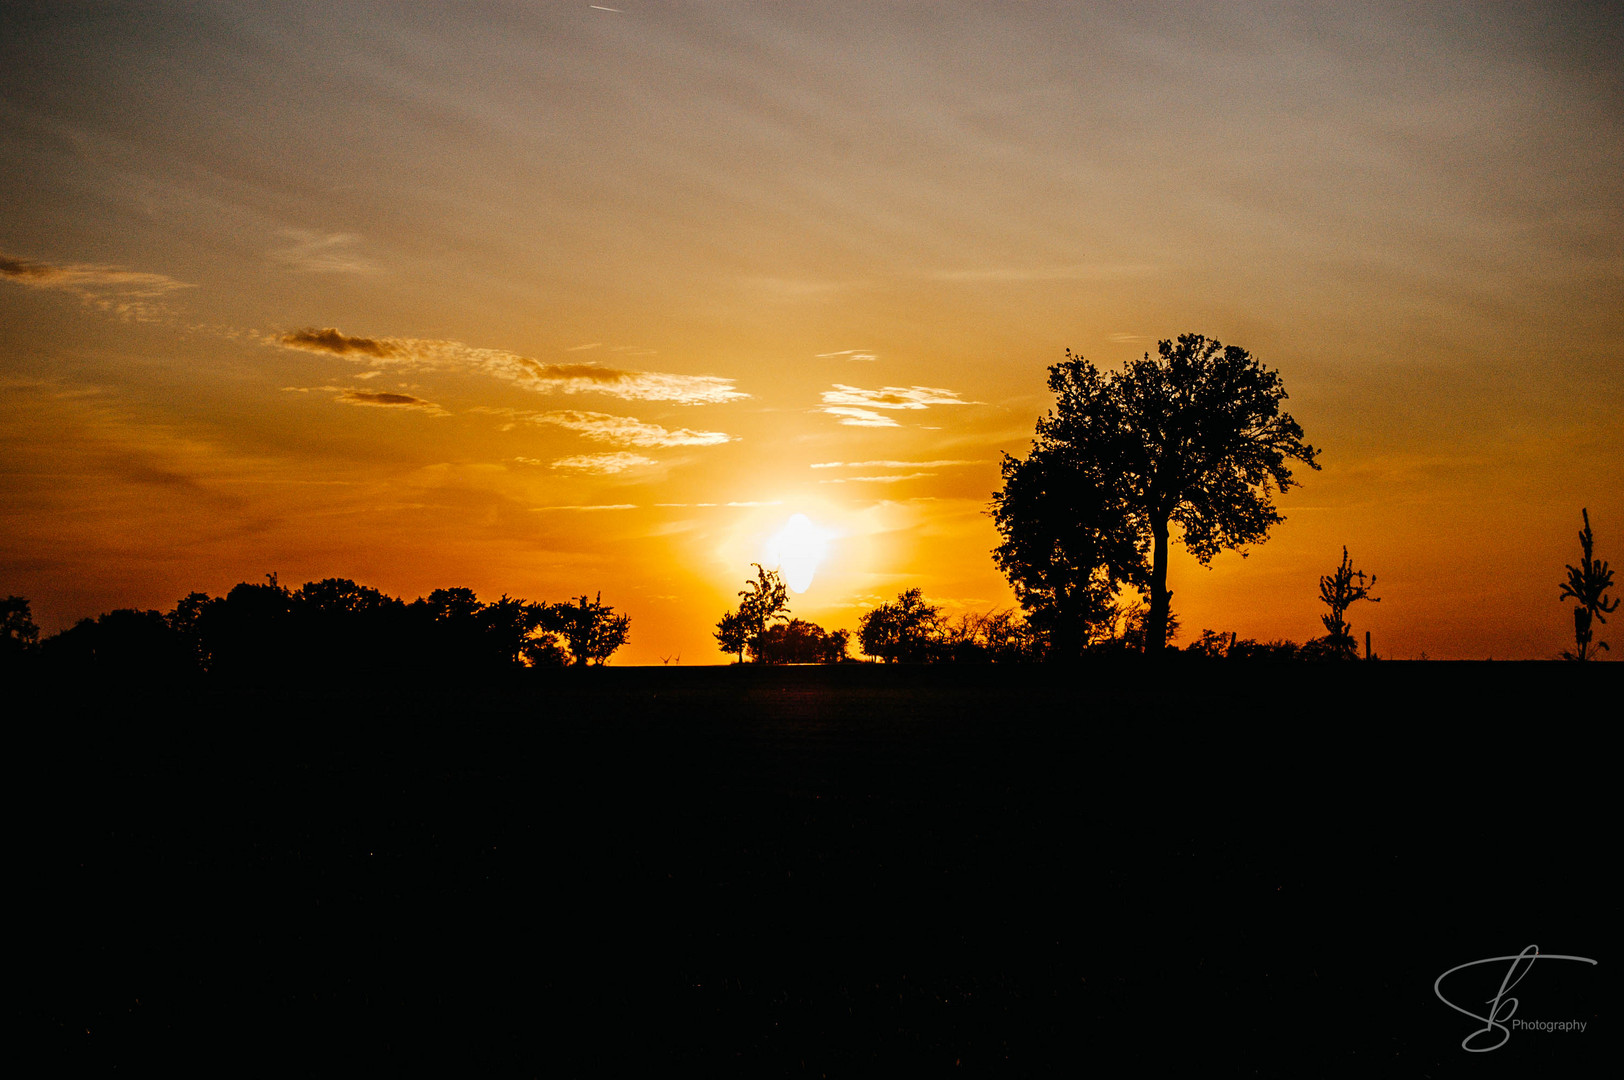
(1193, 437)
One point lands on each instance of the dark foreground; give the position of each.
(807, 871)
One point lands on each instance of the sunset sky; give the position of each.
(555, 298)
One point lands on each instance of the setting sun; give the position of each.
(797, 550)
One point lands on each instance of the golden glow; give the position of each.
(614, 327)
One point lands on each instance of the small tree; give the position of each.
(18, 634)
(732, 634)
(760, 602)
(1339, 591)
(591, 630)
(906, 630)
(801, 642)
(1588, 583)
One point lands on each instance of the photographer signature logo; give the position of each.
(1501, 1007)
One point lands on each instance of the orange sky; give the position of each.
(616, 293)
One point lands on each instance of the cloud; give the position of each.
(605, 464)
(892, 397)
(129, 294)
(942, 464)
(859, 417)
(850, 354)
(330, 340)
(626, 431)
(893, 479)
(526, 372)
(321, 253)
(605, 506)
(386, 399)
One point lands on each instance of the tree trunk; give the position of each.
(1161, 601)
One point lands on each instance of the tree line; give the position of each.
(1189, 445)
(333, 628)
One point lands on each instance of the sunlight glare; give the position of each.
(797, 550)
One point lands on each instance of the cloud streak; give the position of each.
(531, 374)
(321, 253)
(854, 406)
(626, 431)
(389, 400)
(942, 464)
(604, 464)
(330, 340)
(130, 294)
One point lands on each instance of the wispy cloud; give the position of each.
(604, 464)
(892, 397)
(531, 374)
(849, 354)
(890, 479)
(388, 400)
(625, 430)
(130, 294)
(942, 464)
(604, 506)
(855, 406)
(321, 253)
(859, 417)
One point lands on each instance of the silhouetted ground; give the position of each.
(816, 871)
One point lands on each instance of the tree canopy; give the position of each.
(591, 630)
(902, 631)
(760, 603)
(1193, 437)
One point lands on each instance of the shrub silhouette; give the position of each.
(1340, 590)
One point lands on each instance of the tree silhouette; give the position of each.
(760, 602)
(905, 631)
(1068, 541)
(1588, 583)
(802, 642)
(591, 630)
(18, 634)
(733, 634)
(1338, 591)
(1193, 438)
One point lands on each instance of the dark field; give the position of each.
(815, 871)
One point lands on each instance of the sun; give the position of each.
(797, 549)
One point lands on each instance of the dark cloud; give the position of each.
(23, 270)
(331, 340)
(387, 399)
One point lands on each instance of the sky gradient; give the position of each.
(551, 299)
